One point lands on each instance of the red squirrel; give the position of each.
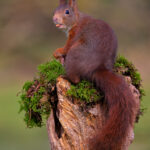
(90, 53)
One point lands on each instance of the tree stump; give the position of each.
(71, 125)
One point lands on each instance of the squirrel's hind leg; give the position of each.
(73, 78)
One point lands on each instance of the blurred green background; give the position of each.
(28, 37)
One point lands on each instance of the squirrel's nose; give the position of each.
(55, 19)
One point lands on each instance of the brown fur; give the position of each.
(90, 54)
(120, 108)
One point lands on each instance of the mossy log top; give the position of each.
(75, 111)
(38, 96)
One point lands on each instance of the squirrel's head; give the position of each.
(66, 14)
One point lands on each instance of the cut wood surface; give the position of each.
(71, 125)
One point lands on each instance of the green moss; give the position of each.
(27, 85)
(121, 62)
(33, 91)
(50, 71)
(84, 91)
(30, 103)
(128, 69)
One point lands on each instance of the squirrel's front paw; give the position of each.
(58, 53)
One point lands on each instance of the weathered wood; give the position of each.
(70, 126)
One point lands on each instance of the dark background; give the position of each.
(28, 37)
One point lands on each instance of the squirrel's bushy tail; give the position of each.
(121, 111)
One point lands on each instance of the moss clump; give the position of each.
(36, 95)
(84, 91)
(27, 85)
(50, 71)
(126, 68)
(122, 62)
(30, 103)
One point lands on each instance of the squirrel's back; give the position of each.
(94, 44)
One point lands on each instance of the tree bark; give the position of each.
(71, 124)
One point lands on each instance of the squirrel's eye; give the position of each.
(67, 12)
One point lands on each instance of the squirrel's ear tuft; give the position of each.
(62, 2)
(72, 3)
